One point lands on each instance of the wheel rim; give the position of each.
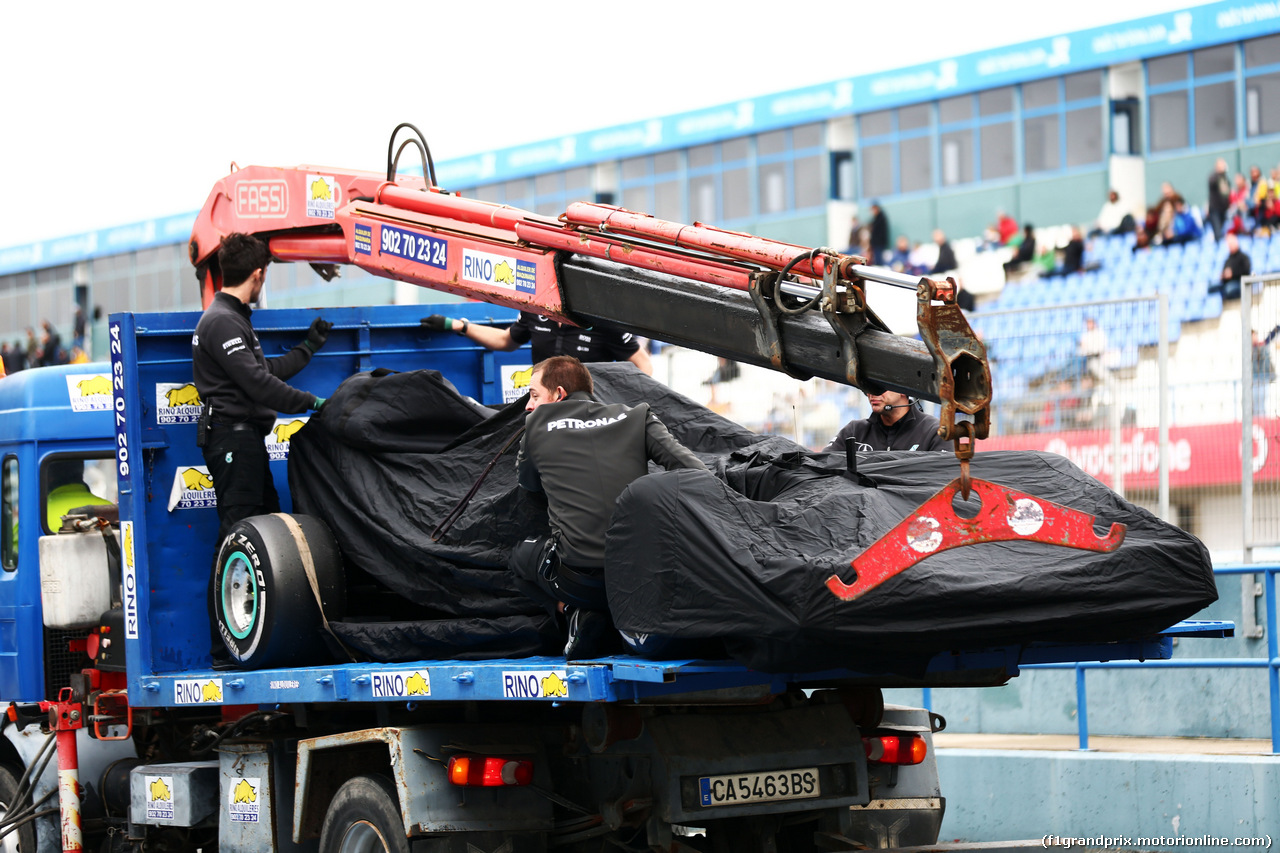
(363, 837)
(8, 844)
(239, 595)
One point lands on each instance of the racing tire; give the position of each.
(265, 609)
(22, 839)
(364, 817)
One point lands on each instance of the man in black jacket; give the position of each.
(1236, 267)
(582, 454)
(242, 389)
(895, 424)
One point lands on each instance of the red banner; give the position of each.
(1207, 455)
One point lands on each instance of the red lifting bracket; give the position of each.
(1006, 515)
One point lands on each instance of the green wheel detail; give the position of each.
(239, 595)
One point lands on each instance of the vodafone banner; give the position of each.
(1207, 455)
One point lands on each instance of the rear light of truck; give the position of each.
(480, 771)
(895, 749)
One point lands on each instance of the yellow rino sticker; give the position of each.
(196, 480)
(522, 378)
(183, 395)
(537, 684)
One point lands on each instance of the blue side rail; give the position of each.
(613, 679)
(1271, 663)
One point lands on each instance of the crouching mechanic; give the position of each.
(582, 454)
(895, 423)
(242, 391)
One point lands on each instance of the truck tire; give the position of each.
(265, 608)
(22, 839)
(364, 817)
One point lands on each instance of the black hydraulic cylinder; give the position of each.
(725, 322)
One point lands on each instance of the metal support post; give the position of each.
(67, 718)
(1082, 709)
(1163, 364)
(1273, 660)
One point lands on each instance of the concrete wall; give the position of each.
(997, 795)
(1137, 702)
(965, 213)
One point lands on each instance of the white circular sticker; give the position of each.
(1027, 517)
(923, 535)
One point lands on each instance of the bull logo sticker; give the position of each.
(197, 691)
(515, 381)
(177, 403)
(159, 794)
(89, 392)
(400, 684)
(129, 582)
(192, 488)
(499, 271)
(280, 435)
(243, 799)
(544, 684)
(322, 196)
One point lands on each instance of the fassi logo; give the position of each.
(265, 199)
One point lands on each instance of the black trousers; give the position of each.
(238, 463)
(544, 578)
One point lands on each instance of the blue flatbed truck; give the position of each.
(510, 755)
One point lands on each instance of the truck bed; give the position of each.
(613, 679)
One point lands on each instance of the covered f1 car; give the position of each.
(753, 557)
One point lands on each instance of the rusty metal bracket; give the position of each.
(964, 379)
(768, 335)
(1006, 515)
(846, 311)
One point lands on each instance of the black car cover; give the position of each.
(739, 555)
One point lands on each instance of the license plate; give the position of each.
(738, 788)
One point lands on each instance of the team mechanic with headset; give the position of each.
(895, 423)
(242, 391)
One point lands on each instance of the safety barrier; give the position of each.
(1271, 663)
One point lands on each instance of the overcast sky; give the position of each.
(117, 112)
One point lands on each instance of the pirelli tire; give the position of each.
(265, 609)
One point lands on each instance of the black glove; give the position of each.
(317, 334)
(437, 323)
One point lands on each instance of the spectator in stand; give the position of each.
(1006, 227)
(1257, 189)
(6, 359)
(1267, 214)
(1091, 349)
(1025, 252)
(900, 260)
(1072, 255)
(81, 322)
(946, 255)
(1112, 218)
(878, 236)
(964, 299)
(51, 347)
(1264, 372)
(33, 348)
(1219, 197)
(1236, 267)
(1239, 216)
(1161, 214)
(1184, 228)
(18, 355)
